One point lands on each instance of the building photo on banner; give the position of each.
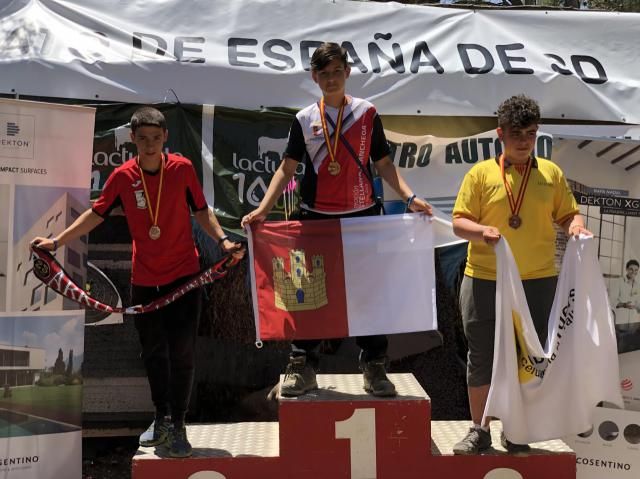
(230, 78)
(41, 333)
(604, 176)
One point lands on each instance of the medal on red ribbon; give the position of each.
(154, 231)
(515, 221)
(334, 166)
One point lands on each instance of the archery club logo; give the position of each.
(41, 269)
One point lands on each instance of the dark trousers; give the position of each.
(478, 308)
(168, 340)
(373, 347)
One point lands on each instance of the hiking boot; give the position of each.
(476, 441)
(155, 434)
(511, 447)
(299, 377)
(179, 445)
(375, 378)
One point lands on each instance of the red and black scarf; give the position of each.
(50, 272)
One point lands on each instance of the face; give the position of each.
(332, 78)
(632, 271)
(518, 142)
(149, 140)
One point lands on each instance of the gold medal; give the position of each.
(334, 168)
(154, 232)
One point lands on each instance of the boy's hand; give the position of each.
(45, 243)
(255, 215)
(420, 205)
(236, 249)
(490, 235)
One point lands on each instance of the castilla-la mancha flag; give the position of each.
(343, 277)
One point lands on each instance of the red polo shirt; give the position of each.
(174, 254)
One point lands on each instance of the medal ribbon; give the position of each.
(325, 129)
(516, 204)
(154, 218)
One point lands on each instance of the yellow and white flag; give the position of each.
(543, 393)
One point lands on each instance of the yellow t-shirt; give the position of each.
(483, 199)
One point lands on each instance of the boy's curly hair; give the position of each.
(518, 112)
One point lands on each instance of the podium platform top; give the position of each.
(256, 439)
(445, 434)
(349, 387)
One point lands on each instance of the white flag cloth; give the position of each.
(542, 394)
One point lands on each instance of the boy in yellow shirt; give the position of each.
(519, 196)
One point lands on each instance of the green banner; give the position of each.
(112, 144)
(248, 147)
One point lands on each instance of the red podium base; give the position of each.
(339, 431)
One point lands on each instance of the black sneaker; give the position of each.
(299, 377)
(179, 445)
(476, 441)
(511, 447)
(375, 377)
(155, 434)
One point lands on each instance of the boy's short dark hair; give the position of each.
(147, 116)
(518, 112)
(632, 262)
(326, 53)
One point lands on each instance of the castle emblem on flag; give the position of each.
(301, 289)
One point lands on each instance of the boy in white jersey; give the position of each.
(337, 184)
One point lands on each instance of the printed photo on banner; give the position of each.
(48, 211)
(5, 218)
(40, 364)
(605, 186)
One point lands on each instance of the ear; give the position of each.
(132, 136)
(500, 133)
(347, 71)
(314, 75)
(166, 136)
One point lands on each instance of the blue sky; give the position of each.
(31, 202)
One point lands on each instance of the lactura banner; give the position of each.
(44, 186)
(407, 59)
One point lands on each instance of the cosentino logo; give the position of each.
(17, 135)
(18, 460)
(603, 463)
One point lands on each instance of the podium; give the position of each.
(341, 432)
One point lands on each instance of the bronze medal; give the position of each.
(154, 232)
(515, 221)
(334, 168)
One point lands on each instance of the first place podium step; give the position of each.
(339, 431)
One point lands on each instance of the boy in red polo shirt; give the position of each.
(158, 192)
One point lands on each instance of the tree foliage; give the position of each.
(609, 5)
